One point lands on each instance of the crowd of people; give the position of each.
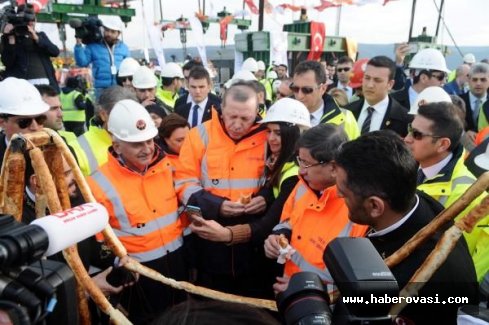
(202, 187)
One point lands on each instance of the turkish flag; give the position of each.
(252, 6)
(318, 35)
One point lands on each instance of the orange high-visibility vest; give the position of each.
(314, 223)
(212, 161)
(142, 208)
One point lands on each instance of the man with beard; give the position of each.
(105, 56)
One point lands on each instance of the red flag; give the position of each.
(291, 7)
(252, 6)
(37, 4)
(326, 4)
(318, 34)
(223, 24)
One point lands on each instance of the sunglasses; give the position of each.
(343, 69)
(440, 77)
(122, 79)
(302, 163)
(305, 90)
(418, 135)
(25, 122)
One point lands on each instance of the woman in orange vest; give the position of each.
(136, 187)
(314, 214)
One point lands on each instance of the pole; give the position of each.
(439, 17)
(338, 20)
(413, 10)
(261, 9)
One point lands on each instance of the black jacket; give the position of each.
(16, 61)
(396, 117)
(469, 117)
(182, 108)
(402, 97)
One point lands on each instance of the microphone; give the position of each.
(75, 22)
(49, 235)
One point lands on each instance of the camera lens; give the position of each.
(305, 301)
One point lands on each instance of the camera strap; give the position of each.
(113, 68)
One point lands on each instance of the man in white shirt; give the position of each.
(476, 97)
(344, 73)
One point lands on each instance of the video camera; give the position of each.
(358, 271)
(33, 289)
(19, 18)
(87, 29)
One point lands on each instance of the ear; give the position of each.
(104, 115)
(322, 89)
(116, 146)
(443, 144)
(333, 167)
(390, 84)
(33, 181)
(374, 206)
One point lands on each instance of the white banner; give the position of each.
(198, 33)
(279, 46)
(154, 31)
(238, 61)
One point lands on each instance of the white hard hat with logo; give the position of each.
(469, 58)
(129, 121)
(128, 67)
(243, 75)
(429, 59)
(171, 70)
(20, 97)
(260, 65)
(288, 110)
(144, 78)
(250, 64)
(112, 22)
(429, 95)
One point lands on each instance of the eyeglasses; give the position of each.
(25, 122)
(418, 135)
(305, 90)
(302, 163)
(346, 69)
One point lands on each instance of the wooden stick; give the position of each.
(440, 253)
(54, 160)
(14, 185)
(476, 189)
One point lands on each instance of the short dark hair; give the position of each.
(165, 81)
(379, 163)
(283, 66)
(170, 123)
(382, 61)
(199, 72)
(345, 59)
(314, 66)
(446, 122)
(240, 92)
(323, 141)
(191, 64)
(47, 90)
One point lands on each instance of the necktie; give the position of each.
(477, 107)
(420, 178)
(195, 115)
(368, 120)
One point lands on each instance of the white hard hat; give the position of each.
(243, 75)
(112, 22)
(272, 75)
(144, 78)
(288, 110)
(128, 67)
(250, 64)
(469, 58)
(171, 70)
(482, 160)
(429, 95)
(260, 65)
(429, 59)
(129, 121)
(19, 97)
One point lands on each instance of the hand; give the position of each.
(272, 246)
(231, 209)
(148, 101)
(31, 30)
(256, 205)
(210, 230)
(470, 135)
(281, 285)
(401, 51)
(100, 281)
(8, 28)
(126, 259)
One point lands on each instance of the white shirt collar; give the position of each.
(432, 171)
(379, 107)
(31, 195)
(317, 114)
(202, 104)
(397, 224)
(472, 98)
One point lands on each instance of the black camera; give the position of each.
(87, 29)
(358, 272)
(19, 17)
(31, 289)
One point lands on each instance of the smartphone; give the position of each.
(194, 214)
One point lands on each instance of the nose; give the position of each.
(408, 138)
(302, 171)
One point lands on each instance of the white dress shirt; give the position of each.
(378, 115)
(347, 89)
(316, 115)
(200, 111)
(433, 170)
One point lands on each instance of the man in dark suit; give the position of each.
(378, 111)
(196, 106)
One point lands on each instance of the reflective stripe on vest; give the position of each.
(301, 190)
(463, 180)
(299, 260)
(70, 112)
(283, 225)
(87, 149)
(126, 228)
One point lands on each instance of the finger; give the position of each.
(116, 289)
(107, 270)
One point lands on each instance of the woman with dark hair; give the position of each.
(172, 131)
(284, 121)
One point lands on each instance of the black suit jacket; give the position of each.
(182, 108)
(396, 117)
(402, 97)
(469, 117)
